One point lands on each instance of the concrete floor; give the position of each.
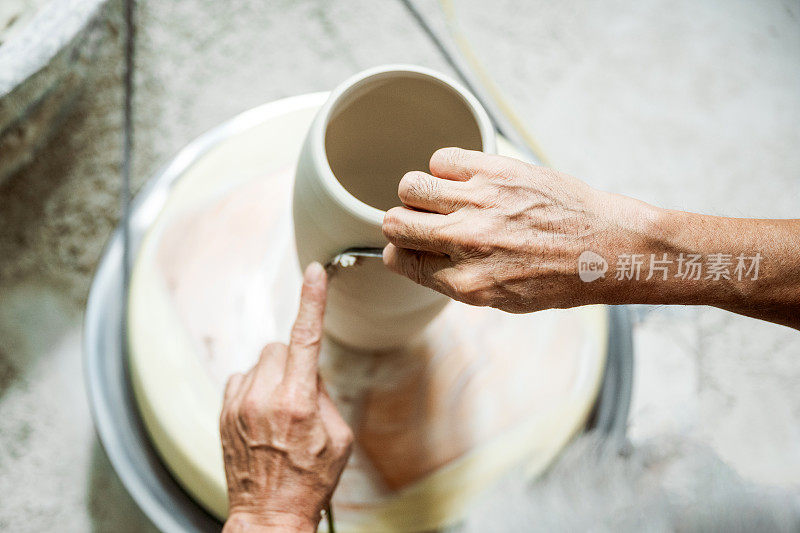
(687, 104)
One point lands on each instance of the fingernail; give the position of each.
(314, 272)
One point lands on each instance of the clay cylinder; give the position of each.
(375, 127)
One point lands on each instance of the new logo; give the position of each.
(591, 266)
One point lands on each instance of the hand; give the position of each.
(284, 443)
(495, 231)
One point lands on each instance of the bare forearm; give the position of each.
(757, 262)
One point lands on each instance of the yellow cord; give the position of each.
(486, 80)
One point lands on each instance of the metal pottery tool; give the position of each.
(351, 257)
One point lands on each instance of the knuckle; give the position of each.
(300, 411)
(470, 287)
(424, 268)
(341, 437)
(463, 281)
(306, 335)
(414, 184)
(394, 215)
(248, 418)
(441, 281)
(277, 405)
(455, 157)
(348, 437)
(479, 297)
(390, 258)
(343, 444)
(251, 406)
(500, 172)
(504, 168)
(392, 222)
(424, 186)
(411, 266)
(292, 406)
(477, 241)
(418, 271)
(448, 157)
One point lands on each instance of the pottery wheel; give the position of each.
(216, 278)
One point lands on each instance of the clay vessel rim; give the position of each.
(363, 211)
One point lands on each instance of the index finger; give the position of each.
(456, 164)
(418, 230)
(306, 337)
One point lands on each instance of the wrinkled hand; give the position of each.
(284, 443)
(494, 231)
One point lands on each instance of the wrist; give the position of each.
(633, 229)
(257, 522)
(666, 241)
(656, 239)
(747, 266)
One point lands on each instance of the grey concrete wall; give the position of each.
(693, 105)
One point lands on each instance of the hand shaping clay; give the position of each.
(374, 128)
(436, 421)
